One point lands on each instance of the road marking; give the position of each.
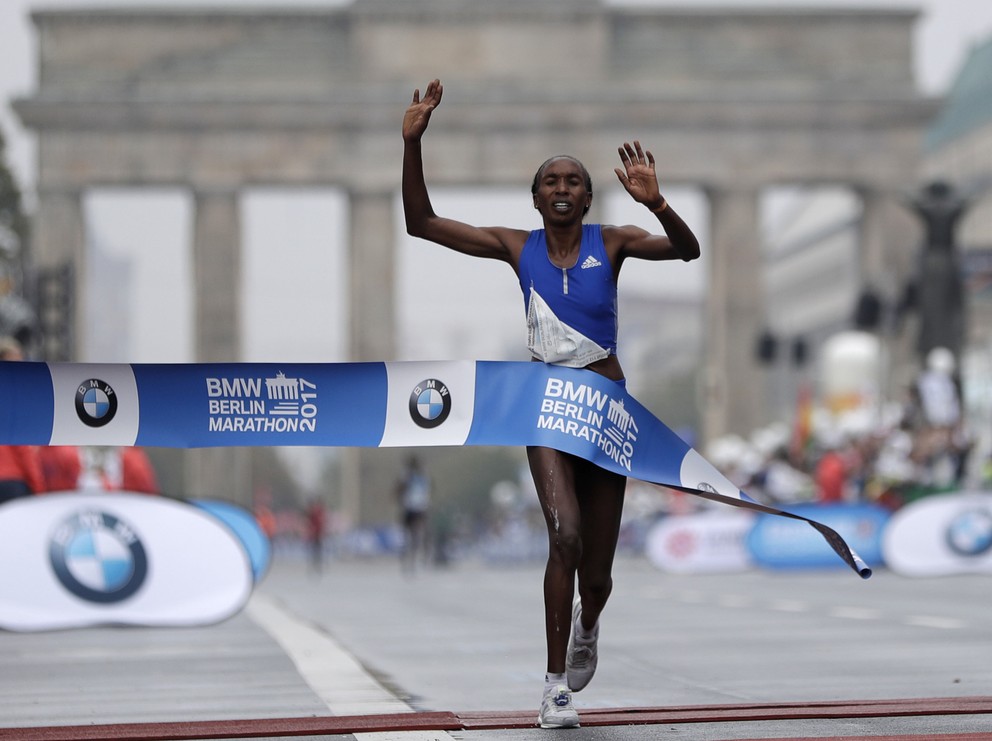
(655, 593)
(929, 621)
(734, 600)
(693, 598)
(333, 673)
(798, 606)
(855, 613)
(789, 605)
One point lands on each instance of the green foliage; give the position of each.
(13, 221)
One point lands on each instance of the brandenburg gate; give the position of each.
(732, 101)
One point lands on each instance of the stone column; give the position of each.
(875, 281)
(733, 396)
(372, 325)
(217, 276)
(372, 330)
(888, 241)
(59, 240)
(223, 473)
(875, 274)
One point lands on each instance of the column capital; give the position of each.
(724, 187)
(215, 190)
(58, 190)
(366, 191)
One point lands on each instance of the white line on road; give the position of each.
(734, 600)
(333, 674)
(798, 606)
(855, 613)
(789, 605)
(928, 621)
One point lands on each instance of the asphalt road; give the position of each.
(471, 637)
(364, 639)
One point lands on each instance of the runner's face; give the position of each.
(561, 191)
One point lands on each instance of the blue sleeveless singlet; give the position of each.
(584, 296)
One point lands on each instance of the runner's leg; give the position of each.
(554, 477)
(600, 494)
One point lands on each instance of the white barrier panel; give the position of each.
(941, 534)
(76, 560)
(708, 542)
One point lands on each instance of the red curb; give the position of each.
(247, 728)
(913, 737)
(496, 720)
(745, 712)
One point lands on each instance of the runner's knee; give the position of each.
(595, 589)
(566, 547)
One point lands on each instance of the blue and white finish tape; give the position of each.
(384, 404)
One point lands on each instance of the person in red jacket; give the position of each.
(20, 469)
(61, 467)
(831, 474)
(20, 472)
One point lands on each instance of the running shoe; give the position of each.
(582, 657)
(557, 710)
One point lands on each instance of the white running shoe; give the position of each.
(582, 657)
(557, 710)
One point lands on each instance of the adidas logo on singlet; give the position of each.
(591, 262)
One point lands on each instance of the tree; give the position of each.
(17, 318)
(13, 221)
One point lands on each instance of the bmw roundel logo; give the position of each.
(98, 557)
(430, 403)
(970, 533)
(96, 402)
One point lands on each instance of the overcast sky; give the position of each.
(298, 315)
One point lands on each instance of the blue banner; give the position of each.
(362, 405)
(245, 526)
(776, 543)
